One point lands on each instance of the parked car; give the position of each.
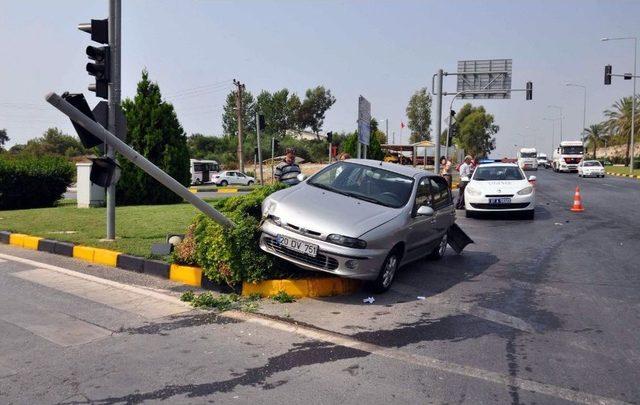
(202, 170)
(228, 177)
(590, 168)
(362, 219)
(500, 187)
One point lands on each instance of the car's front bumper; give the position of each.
(518, 203)
(363, 264)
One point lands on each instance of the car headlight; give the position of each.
(526, 191)
(347, 241)
(473, 191)
(268, 207)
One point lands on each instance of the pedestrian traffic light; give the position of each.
(100, 55)
(255, 151)
(262, 125)
(607, 74)
(104, 171)
(78, 101)
(330, 137)
(453, 130)
(529, 91)
(275, 144)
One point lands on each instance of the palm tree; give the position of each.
(619, 121)
(594, 134)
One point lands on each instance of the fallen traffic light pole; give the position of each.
(137, 159)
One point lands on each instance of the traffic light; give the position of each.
(100, 55)
(628, 76)
(104, 171)
(529, 91)
(275, 144)
(607, 74)
(255, 151)
(330, 137)
(78, 101)
(262, 125)
(452, 113)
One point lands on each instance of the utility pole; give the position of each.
(240, 89)
(386, 131)
(259, 121)
(115, 15)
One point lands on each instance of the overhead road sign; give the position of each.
(484, 79)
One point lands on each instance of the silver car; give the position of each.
(362, 219)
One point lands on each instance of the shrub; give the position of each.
(185, 251)
(29, 182)
(232, 256)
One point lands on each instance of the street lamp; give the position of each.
(633, 101)
(553, 132)
(560, 118)
(584, 108)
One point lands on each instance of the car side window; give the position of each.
(423, 194)
(240, 175)
(440, 192)
(231, 174)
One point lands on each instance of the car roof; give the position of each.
(500, 164)
(409, 171)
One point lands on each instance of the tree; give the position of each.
(4, 138)
(419, 115)
(53, 142)
(312, 110)
(476, 130)
(594, 133)
(619, 122)
(374, 150)
(230, 117)
(280, 111)
(155, 132)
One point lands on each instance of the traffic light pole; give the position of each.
(115, 15)
(137, 159)
(259, 147)
(436, 157)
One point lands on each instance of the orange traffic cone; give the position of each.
(577, 201)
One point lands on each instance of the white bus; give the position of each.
(528, 159)
(567, 156)
(201, 170)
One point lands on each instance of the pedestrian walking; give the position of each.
(445, 169)
(465, 176)
(288, 170)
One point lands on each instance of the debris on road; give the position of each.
(369, 300)
(421, 298)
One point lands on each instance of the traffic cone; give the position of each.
(577, 201)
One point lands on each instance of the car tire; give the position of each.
(224, 183)
(529, 214)
(439, 251)
(250, 183)
(387, 273)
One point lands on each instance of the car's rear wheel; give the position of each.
(250, 183)
(387, 273)
(439, 250)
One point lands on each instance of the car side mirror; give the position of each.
(425, 210)
(532, 178)
(301, 177)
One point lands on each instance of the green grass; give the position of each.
(621, 170)
(137, 227)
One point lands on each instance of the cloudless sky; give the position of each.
(384, 50)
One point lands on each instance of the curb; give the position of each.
(632, 176)
(216, 190)
(310, 287)
(188, 275)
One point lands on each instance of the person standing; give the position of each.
(465, 177)
(288, 170)
(445, 169)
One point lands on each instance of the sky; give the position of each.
(383, 50)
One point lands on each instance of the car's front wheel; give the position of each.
(387, 273)
(439, 250)
(250, 183)
(224, 183)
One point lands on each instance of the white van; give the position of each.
(201, 170)
(528, 159)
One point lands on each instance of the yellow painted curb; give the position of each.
(84, 252)
(186, 274)
(227, 190)
(311, 287)
(193, 190)
(31, 242)
(105, 257)
(17, 239)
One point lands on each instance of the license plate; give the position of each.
(504, 200)
(308, 249)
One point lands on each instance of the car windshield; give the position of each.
(528, 154)
(366, 183)
(592, 164)
(572, 150)
(497, 173)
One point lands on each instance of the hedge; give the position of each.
(29, 182)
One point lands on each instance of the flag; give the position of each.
(401, 124)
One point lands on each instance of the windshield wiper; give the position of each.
(366, 198)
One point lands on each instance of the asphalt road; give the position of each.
(543, 311)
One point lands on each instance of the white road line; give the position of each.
(390, 353)
(426, 361)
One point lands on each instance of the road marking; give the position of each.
(474, 310)
(56, 327)
(425, 361)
